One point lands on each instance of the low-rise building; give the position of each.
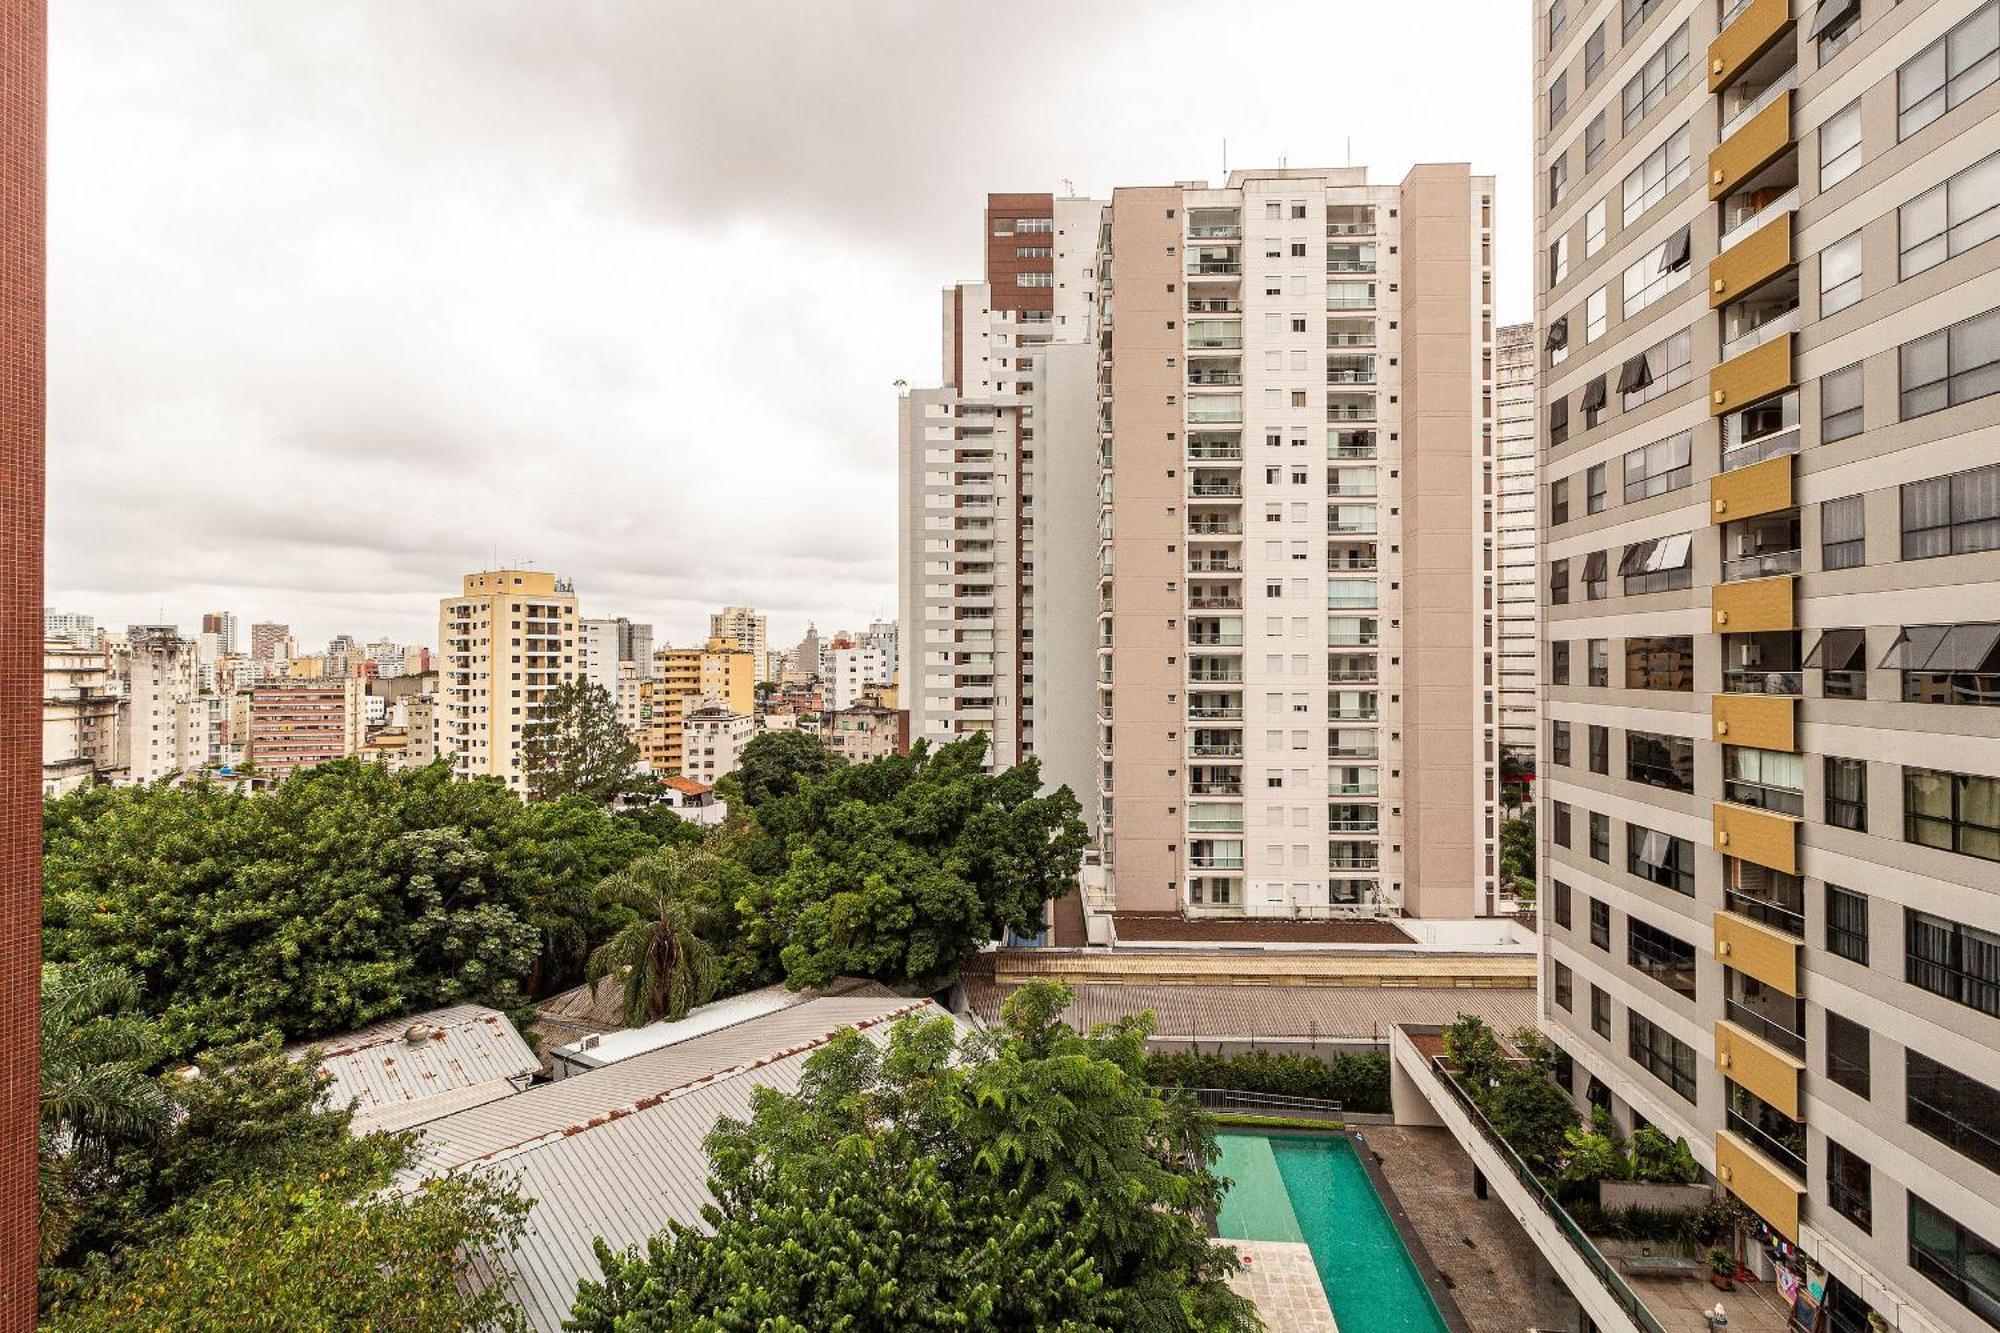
(866, 731)
(713, 737)
(405, 1072)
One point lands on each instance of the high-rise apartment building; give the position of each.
(270, 641)
(1296, 712)
(23, 397)
(165, 731)
(719, 674)
(300, 724)
(222, 624)
(852, 672)
(885, 638)
(505, 642)
(1516, 580)
(1770, 432)
(966, 533)
(747, 628)
(81, 705)
(71, 627)
(605, 644)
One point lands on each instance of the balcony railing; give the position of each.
(1214, 305)
(1350, 412)
(1350, 340)
(1214, 527)
(1350, 377)
(1201, 862)
(1223, 489)
(1222, 712)
(1218, 267)
(1760, 566)
(1216, 638)
(1215, 378)
(1213, 677)
(1217, 231)
(1749, 681)
(1772, 1031)
(1216, 749)
(1215, 788)
(1216, 451)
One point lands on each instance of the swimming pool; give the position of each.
(1312, 1188)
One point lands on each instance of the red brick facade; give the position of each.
(23, 111)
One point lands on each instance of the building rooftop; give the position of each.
(597, 1049)
(405, 1072)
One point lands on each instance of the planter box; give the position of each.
(1618, 1195)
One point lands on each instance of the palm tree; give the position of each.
(664, 965)
(96, 1091)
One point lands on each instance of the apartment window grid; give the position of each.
(1559, 662)
(1599, 739)
(1558, 98)
(1564, 985)
(1593, 142)
(1658, 564)
(1593, 56)
(1840, 145)
(1956, 1110)
(1559, 743)
(1952, 366)
(1950, 218)
(1952, 515)
(1652, 276)
(1662, 1055)
(1664, 957)
(1594, 490)
(1840, 401)
(1663, 171)
(1960, 1262)
(1660, 858)
(1600, 837)
(1597, 663)
(1948, 71)
(1665, 366)
(1843, 543)
(1662, 72)
(1562, 904)
(1559, 582)
(1660, 761)
(1559, 501)
(1961, 963)
(1840, 284)
(1847, 924)
(1600, 1012)
(1657, 468)
(1850, 1186)
(1559, 821)
(1847, 793)
(1594, 227)
(1848, 1061)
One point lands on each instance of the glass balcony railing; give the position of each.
(1763, 565)
(1747, 680)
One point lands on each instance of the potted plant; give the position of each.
(1722, 1270)
(1877, 1324)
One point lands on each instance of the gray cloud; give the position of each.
(347, 298)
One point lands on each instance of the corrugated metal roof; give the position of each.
(1235, 1013)
(393, 1077)
(617, 1152)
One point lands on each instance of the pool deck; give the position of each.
(1279, 1277)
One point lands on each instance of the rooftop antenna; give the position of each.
(1350, 150)
(1225, 158)
(1069, 188)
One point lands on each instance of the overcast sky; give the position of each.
(348, 298)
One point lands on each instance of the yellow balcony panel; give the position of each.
(1750, 834)
(1761, 488)
(1756, 950)
(1751, 605)
(1759, 1066)
(1749, 35)
(1751, 262)
(1760, 372)
(1766, 721)
(1764, 1187)
(1752, 148)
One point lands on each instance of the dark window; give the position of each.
(1600, 837)
(1959, 1112)
(1562, 904)
(1951, 366)
(1841, 658)
(1660, 761)
(1559, 662)
(1600, 749)
(1774, 897)
(1660, 664)
(1558, 582)
(1958, 812)
(1765, 1010)
(1847, 793)
(1952, 515)
(1559, 743)
(1596, 576)
(1847, 1061)
(1600, 1013)
(1662, 1055)
(1564, 984)
(1594, 490)
(1956, 961)
(1559, 822)
(1559, 501)
(1657, 468)
(1558, 98)
(1961, 1262)
(1849, 1186)
(1666, 861)
(1663, 957)
(1840, 403)
(1600, 924)
(1774, 1133)
(1847, 924)
(1559, 409)
(1658, 564)
(1593, 56)
(1949, 664)
(1599, 662)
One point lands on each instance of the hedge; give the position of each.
(1357, 1082)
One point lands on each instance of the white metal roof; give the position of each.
(611, 1047)
(402, 1072)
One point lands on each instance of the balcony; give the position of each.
(1749, 29)
(1215, 305)
(1763, 1186)
(1212, 488)
(1214, 379)
(1216, 712)
(1763, 546)
(1216, 601)
(1360, 745)
(1215, 526)
(1756, 142)
(1758, 836)
(1223, 746)
(1215, 231)
(1227, 450)
(1758, 951)
(1215, 268)
(1212, 409)
(1361, 411)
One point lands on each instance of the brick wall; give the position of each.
(23, 78)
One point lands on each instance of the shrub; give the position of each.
(1357, 1082)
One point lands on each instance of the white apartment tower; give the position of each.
(1296, 677)
(166, 726)
(748, 629)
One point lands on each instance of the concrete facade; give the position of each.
(1516, 585)
(504, 643)
(298, 725)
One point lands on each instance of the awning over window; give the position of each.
(1593, 567)
(1831, 14)
(1657, 555)
(1945, 648)
(1593, 395)
(1559, 414)
(1558, 334)
(1677, 251)
(1636, 375)
(1840, 650)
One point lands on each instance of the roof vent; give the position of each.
(417, 1033)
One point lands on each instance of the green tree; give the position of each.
(1515, 1092)
(1029, 1178)
(1517, 852)
(661, 960)
(775, 764)
(576, 746)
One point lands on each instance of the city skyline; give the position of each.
(613, 436)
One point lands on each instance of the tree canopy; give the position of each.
(1029, 1178)
(576, 746)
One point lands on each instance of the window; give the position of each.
(1952, 515)
(1771, 896)
(1592, 402)
(1600, 1012)
(1634, 14)
(1559, 582)
(1767, 779)
(1658, 564)
(1959, 962)
(1840, 274)
(1660, 761)
(1593, 228)
(1565, 984)
(1559, 750)
(1660, 369)
(1948, 71)
(1960, 1262)
(1661, 663)
(1834, 26)
(1660, 858)
(1562, 904)
(1595, 309)
(1559, 501)
(1600, 837)
(1600, 749)
(1959, 1112)
(1559, 662)
(1840, 145)
(1842, 535)
(1558, 20)
(1847, 924)
(1593, 56)
(1559, 419)
(1847, 1061)
(1847, 793)
(1593, 142)
(1768, 428)
(1558, 180)
(1840, 403)
(1662, 1055)
(1558, 98)
(1035, 279)
(1598, 662)
(1559, 261)
(1596, 583)
(1559, 822)
(1600, 923)
(1659, 467)
(1652, 277)
(1593, 490)
(1949, 664)
(1665, 958)
(1849, 1186)
(1663, 171)
(1775, 1134)
(1663, 69)
(1949, 218)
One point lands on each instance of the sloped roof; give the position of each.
(402, 1072)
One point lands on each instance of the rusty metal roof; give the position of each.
(402, 1072)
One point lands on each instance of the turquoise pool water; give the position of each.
(1311, 1188)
